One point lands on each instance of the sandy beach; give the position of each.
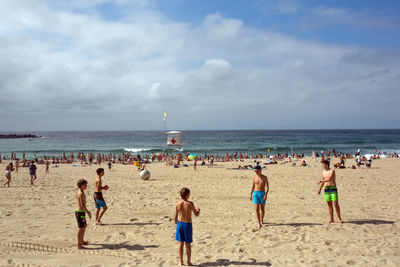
(38, 226)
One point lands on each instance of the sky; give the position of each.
(211, 65)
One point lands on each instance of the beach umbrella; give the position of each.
(192, 156)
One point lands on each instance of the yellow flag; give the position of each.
(165, 114)
(268, 149)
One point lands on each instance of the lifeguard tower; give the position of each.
(174, 140)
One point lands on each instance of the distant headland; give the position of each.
(13, 136)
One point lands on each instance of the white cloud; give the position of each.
(77, 66)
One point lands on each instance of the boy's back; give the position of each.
(184, 209)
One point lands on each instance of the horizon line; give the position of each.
(192, 130)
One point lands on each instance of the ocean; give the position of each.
(205, 142)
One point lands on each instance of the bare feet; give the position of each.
(81, 247)
(340, 221)
(85, 243)
(259, 226)
(331, 221)
(190, 264)
(100, 223)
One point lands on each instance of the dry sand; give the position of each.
(38, 225)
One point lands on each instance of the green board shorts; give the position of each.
(331, 193)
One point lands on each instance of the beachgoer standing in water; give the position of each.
(331, 194)
(258, 194)
(80, 212)
(184, 230)
(98, 196)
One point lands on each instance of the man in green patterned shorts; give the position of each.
(331, 194)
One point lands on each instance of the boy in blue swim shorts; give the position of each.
(99, 201)
(184, 231)
(259, 192)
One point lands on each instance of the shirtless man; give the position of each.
(98, 196)
(184, 235)
(331, 195)
(259, 192)
(80, 212)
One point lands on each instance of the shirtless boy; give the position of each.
(184, 234)
(331, 195)
(80, 212)
(99, 201)
(258, 194)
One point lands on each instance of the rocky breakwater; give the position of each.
(13, 136)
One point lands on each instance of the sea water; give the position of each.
(205, 142)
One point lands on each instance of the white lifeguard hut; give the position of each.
(173, 140)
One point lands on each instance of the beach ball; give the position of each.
(144, 175)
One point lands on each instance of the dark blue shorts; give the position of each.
(184, 232)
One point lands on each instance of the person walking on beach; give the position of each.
(98, 196)
(47, 167)
(80, 212)
(16, 165)
(330, 194)
(184, 230)
(258, 194)
(9, 169)
(32, 172)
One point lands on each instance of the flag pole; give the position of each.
(164, 118)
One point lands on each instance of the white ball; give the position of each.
(145, 175)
